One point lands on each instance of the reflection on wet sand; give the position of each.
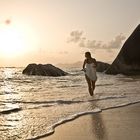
(98, 125)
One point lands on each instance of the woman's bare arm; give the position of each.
(95, 62)
(84, 64)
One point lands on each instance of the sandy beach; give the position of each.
(114, 124)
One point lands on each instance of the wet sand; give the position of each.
(114, 124)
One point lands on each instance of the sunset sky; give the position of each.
(60, 31)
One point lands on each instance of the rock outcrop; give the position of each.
(128, 60)
(101, 66)
(43, 70)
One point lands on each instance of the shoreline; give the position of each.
(74, 129)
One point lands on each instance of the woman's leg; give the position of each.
(89, 85)
(93, 85)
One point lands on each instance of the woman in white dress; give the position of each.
(89, 67)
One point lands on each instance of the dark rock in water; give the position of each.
(43, 70)
(101, 66)
(128, 60)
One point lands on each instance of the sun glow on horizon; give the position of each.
(16, 40)
(12, 42)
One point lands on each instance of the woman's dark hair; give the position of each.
(88, 54)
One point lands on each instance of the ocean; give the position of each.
(32, 106)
